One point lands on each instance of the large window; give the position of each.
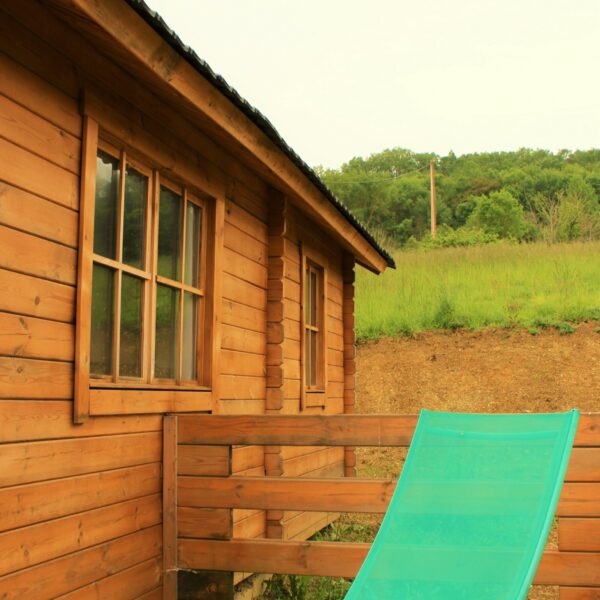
(148, 277)
(313, 331)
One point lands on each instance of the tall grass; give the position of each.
(501, 285)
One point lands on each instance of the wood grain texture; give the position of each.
(146, 401)
(35, 379)
(27, 295)
(579, 535)
(36, 544)
(169, 506)
(137, 582)
(70, 572)
(52, 221)
(38, 461)
(31, 420)
(33, 503)
(579, 593)
(212, 523)
(35, 338)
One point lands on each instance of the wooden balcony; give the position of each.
(197, 534)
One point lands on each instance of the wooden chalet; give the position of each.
(176, 329)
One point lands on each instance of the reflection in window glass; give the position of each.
(103, 283)
(134, 218)
(190, 337)
(167, 321)
(193, 229)
(106, 205)
(130, 354)
(169, 234)
(313, 298)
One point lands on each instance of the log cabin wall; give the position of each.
(80, 505)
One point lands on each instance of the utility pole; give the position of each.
(433, 208)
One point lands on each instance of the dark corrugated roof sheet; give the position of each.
(159, 25)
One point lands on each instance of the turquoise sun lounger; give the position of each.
(472, 509)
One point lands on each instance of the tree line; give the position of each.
(525, 195)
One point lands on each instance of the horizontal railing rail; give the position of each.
(577, 563)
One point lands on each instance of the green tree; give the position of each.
(499, 213)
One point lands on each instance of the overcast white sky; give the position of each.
(344, 78)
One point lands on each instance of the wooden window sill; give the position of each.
(148, 400)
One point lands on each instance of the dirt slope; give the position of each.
(486, 371)
(489, 371)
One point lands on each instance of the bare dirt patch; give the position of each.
(485, 371)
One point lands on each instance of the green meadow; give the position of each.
(497, 285)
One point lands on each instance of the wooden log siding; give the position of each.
(276, 313)
(575, 567)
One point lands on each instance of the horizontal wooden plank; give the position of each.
(569, 568)
(246, 457)
(136, 582)
(211, 523)
(579, 500)
(37, 175)
(338, 559)
(156, 594)
(287, 493)
(52, 221)
(27, 295)
(242, 387)
(579, 535)
(588, 431)
(131, 402)
(579, 593)
(244, 268)
(331, 430)
(584, 465)
(35, 379)
(242, 363)
(241, 218)
(29, 462)
(35, 338)
(297, 430)
(309, 463)
(244, 292)
(33, 503)
(246, 317)
(243, 340)
(35, 544)
(266, 556)
(204, 460)
(252, 526)
(39, 96)
(26, 129)
(238, 240)
(25, 253)
(29, 420)
(73, 571)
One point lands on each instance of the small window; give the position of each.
(147, 277)
(314, 333)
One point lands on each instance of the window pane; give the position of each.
(307, 296)
(107, 202)
(193, 229)
(307, 336)
(101, 351)
(313, 358)
(190, 337)
(134, 218)
(130, 356)
(313, 298)
(169, 234)
(167, 320)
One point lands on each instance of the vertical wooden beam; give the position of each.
(348, 276)
(215, 298)
(170, 507)
(81, 404)
(277, 229)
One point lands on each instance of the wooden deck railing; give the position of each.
(575, 565)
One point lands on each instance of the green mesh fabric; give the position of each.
(472, 509)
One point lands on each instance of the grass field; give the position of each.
(500, 285)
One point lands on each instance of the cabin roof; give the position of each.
(260, 120)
